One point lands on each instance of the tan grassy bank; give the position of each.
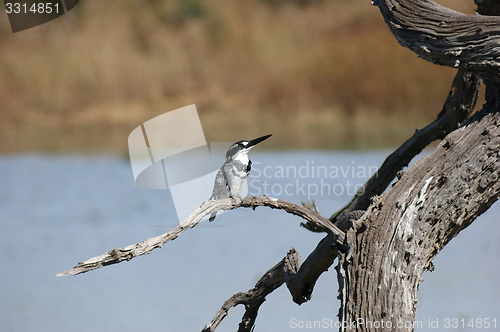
(324, 75)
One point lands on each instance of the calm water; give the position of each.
(56, 211)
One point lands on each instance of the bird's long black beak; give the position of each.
(257, 141)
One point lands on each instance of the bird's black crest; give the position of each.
(235, 148)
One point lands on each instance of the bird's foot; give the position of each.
(236, 199)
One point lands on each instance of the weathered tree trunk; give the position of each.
(392, 244)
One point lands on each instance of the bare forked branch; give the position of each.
(145, 247)
(299, 277)
(253, 299)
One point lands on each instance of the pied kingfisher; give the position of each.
(231, 176)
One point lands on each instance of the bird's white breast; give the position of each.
(242, 157)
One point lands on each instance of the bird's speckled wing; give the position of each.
(220, 185)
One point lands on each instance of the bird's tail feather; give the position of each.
(212, 216)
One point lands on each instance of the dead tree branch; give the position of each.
(443, 36)
(456, 109)
(145, 247)
(253, 299)
(299, 278)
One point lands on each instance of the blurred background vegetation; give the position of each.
(318, 74)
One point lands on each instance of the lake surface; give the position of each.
(58, 210)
